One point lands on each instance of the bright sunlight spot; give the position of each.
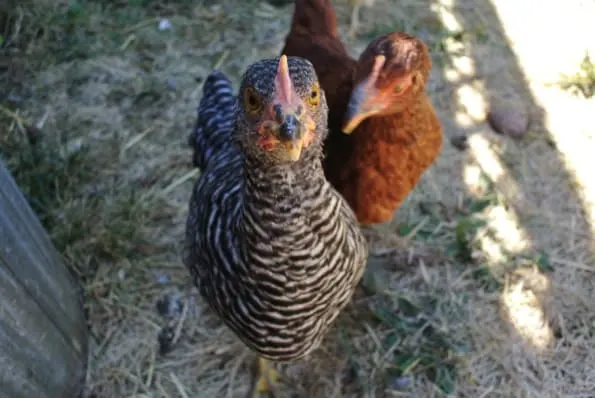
(473, 100)
(569, 118)
(525, 311)
(504, 235)
(449, 20)
(504, 223)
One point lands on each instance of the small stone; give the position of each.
(14, 99)
(161, 277)
(34, 134)
(170, 306)
(508, 117)
(165, 338)
(401, 383)
(164, 24)
(460, 142)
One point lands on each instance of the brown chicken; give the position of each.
(392, 134)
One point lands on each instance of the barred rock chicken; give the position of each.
(272, 247)
(392, 134)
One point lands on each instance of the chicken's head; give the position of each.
(282, 111)
(390, 74)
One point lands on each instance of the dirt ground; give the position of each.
(507, 311)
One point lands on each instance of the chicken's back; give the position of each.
(314, 36)
(211, 137)
(215, 202)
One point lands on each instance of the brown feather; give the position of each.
(377, 165)
(389, 156)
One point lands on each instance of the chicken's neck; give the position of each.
(276, 203)
(396, 126)
(278, 193)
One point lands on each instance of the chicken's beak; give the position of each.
(290, 133)
(361, 106)
(364, 101)
(293, 149)
(291, 125)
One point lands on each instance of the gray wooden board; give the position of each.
(43, 333)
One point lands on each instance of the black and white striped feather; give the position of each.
(275, 250)
(212, 131)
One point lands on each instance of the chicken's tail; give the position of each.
(317, 17)
(216, 117)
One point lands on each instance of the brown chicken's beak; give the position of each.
(364, 101)
(360, 107)
(289, 122)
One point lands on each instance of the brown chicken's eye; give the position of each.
(252, 101)
(314, 98)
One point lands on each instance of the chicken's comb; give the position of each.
(283, 84)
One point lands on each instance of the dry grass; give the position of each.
(108, 99)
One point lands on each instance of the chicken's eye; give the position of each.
(314, 98)
(252, 101)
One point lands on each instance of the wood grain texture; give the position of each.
(43, 332)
